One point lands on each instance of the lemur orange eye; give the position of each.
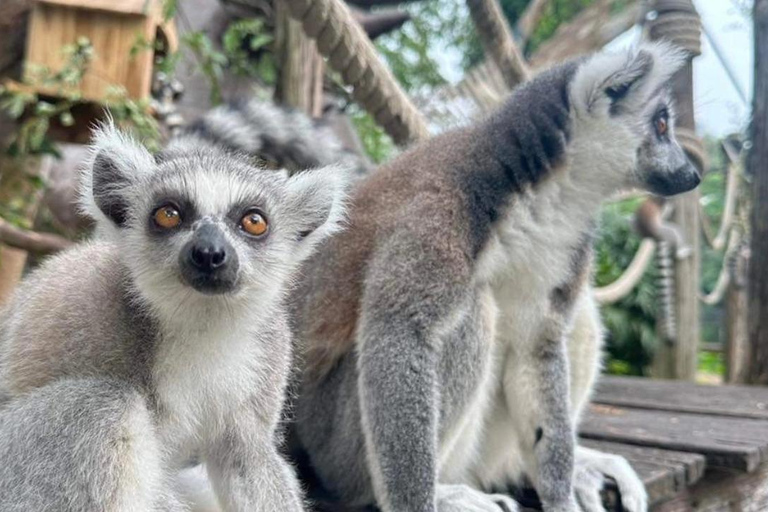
(254, 223)
(167, 217)
(662, 126)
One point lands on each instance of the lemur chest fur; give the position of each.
(202, 374)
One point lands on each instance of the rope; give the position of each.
(351, 53)
(492, 29)
(724, 278)
(729, 209)
(678, 22)
(621, 287)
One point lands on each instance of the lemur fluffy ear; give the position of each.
(116, 162)
(316, 204)
(625, 79)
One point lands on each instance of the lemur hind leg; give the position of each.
(592, 467)
(81, 445)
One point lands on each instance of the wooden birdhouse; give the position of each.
(113, 27)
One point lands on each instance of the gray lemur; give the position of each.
(449, 334)
(165, 340)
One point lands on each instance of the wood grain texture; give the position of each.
(112, 35)
(757, 167)
(642, 393)
(722, 491)
(733, 443)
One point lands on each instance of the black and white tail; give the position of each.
(276, 135)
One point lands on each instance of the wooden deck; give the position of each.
(695, 447)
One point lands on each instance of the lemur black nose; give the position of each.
(208, 257)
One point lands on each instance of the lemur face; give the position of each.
(623, 104)
(662, 166)
(205, 222)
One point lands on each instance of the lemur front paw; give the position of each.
(462, 498)
(590, 471)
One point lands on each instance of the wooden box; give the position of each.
(113, 27)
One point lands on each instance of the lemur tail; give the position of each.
(274, 134)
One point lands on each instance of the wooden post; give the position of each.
(16, 185)
(678, 22)
(737, 342)
(300, 79)
(757, 167)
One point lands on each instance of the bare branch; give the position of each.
(32, 241)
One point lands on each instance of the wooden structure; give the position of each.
(695, 447)
(113, 27)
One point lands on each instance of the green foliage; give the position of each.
(630, 322)
(245, 42)
(244, 46)
(555, 13)
(36, 113)
(711, 363)
(410, 52)
(211, 61)
(377, 144)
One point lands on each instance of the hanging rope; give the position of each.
(351, 53)
(729, 209)
(724, 278)
(621, 287)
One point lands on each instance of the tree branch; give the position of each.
(492, 29)
(32, 241)
(530, 18)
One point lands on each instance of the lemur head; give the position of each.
(623, 118)
(205, 223)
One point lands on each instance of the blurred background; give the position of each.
(666, 280)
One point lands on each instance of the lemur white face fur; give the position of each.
(202, 226)
(621, 103)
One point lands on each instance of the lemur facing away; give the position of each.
(164, 341)
(450, 337)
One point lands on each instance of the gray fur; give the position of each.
(121, 370)
(402, 317)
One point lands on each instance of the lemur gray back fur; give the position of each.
(397, 313)
(272, 133)
(178, 326)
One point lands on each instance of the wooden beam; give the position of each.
(678, 22)
(757, 168)
(32, 241)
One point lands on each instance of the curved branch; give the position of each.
(492, 29)
(32, 241)
(621, 287)
(729, 209)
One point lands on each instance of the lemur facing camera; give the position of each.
(449, 333)
(163, 341)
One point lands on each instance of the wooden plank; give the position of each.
(642, 393)
(722, 491)
(665, 473)
(733, 443)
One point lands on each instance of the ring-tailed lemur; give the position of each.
(165, 340)
(436, 326)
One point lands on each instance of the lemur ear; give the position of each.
(620, 84)
(316, 203)
(117, 161)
